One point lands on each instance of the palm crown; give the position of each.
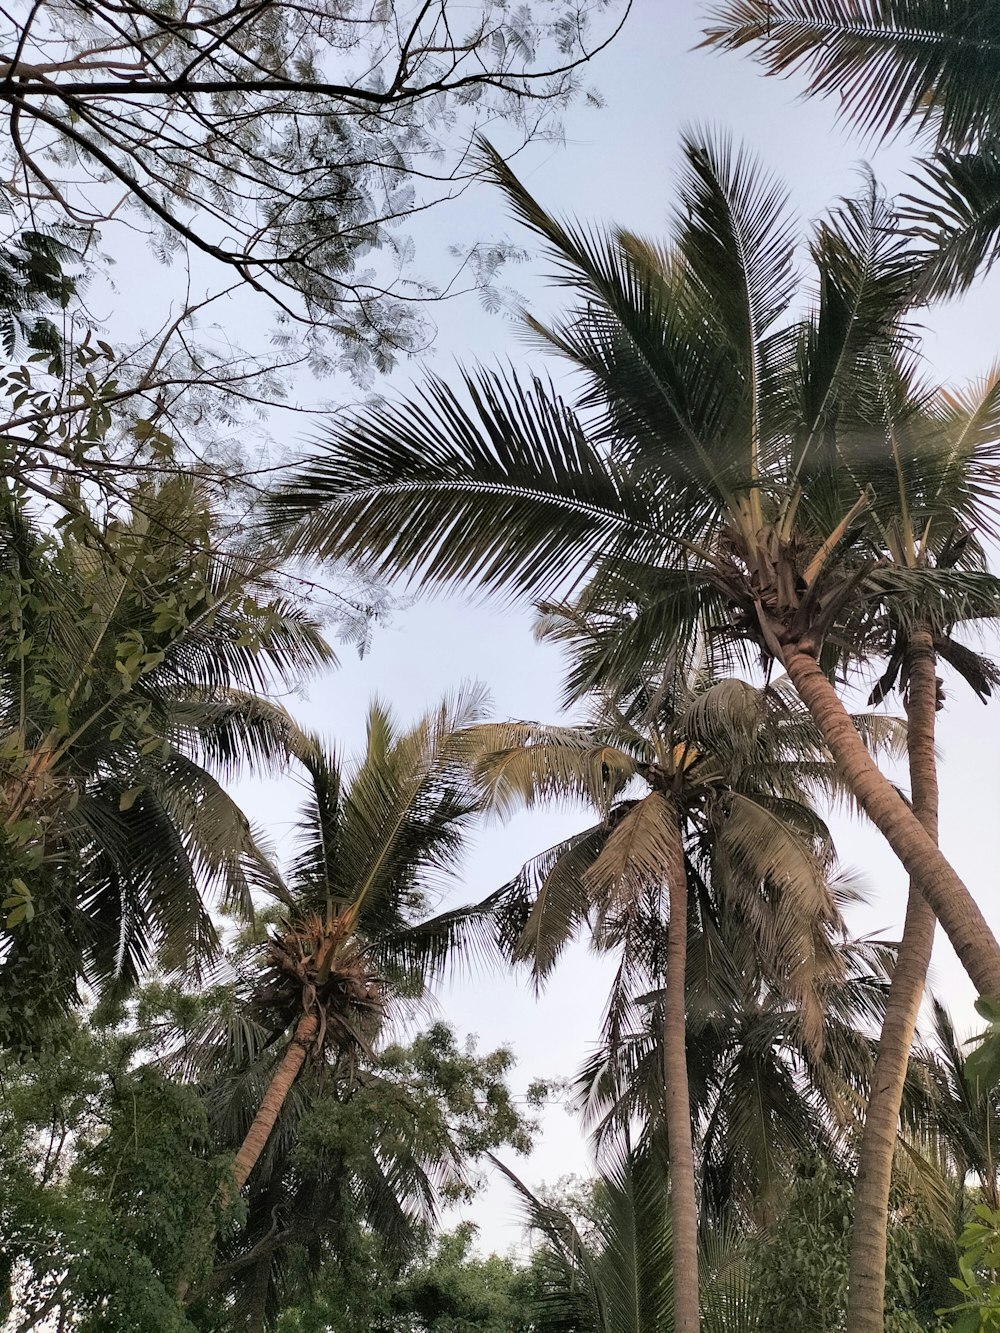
(739, 767)
(723, 452)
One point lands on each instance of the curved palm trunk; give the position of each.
(274, 1099)
(866, 1274)
(951, 901)
(677, 1099)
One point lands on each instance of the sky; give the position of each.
(617, 164)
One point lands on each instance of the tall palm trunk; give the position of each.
(677, 1099)
(866, 1274)
(951, 901)
(274, 1099)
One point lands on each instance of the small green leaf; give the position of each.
(128, 798)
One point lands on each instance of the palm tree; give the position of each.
(354, 945)
(610, 1272)
(724, 804)
(132, 682)
(705, 466)
(762, 1096)
(921, 519)
(958, 1118)
(921, 64)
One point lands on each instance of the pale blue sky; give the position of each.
(617, 165)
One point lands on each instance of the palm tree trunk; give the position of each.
(866, 1274)
(951, 901)
(677, 1099)
(274, 1099)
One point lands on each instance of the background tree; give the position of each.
(110, 1176)
(445, 1288)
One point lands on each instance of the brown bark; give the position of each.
(866, 1274)
(677, 1099)
(944, 890)
(274, 1099)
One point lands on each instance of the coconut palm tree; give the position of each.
(705, 464)
(136, 656)
(722, 801)
(350, 952)
(921, 519)
(929, 66)
(957, 1116)
(354, 943)
(763, 1096)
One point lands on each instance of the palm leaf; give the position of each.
(888, 62)
(639, 853)
(523, 764)
(406, 486)
(953, 213)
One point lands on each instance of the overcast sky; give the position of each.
(617, 165)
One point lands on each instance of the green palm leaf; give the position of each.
(406, 485)
(888, 62)
(953, 212)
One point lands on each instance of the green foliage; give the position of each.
(34, 283)
(978, 1283)
(800, 1264)
(982, 1066)
(131, 682)
(108, 1180)
(445, 1288)
(114, 1161)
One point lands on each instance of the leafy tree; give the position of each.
(979, 1311)
(716, 471)
(445, 1288)
(131, 683)
(107, 1172)
(281, 146)
(113, 1180)
(801, 1264)
(357, 1163)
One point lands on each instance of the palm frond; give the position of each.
(523, 764)
(866, 274)
(544, 907)
(639, 853)
(953, 213)
(932, 63)
(405, 485)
